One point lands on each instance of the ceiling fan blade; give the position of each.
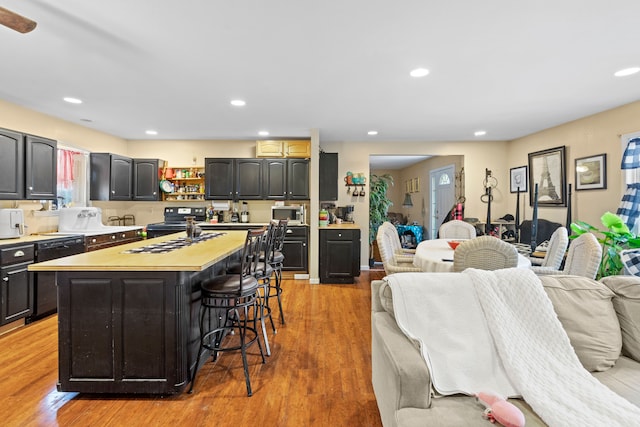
(16, 22)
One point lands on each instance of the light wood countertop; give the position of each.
(196, 257)
(344, 226)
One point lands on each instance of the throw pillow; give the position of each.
(627, 305)
(585, 309)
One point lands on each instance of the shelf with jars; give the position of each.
(185, 184)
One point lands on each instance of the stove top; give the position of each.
(172, 245)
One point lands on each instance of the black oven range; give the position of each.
(175, 220)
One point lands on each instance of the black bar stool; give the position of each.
(227, 301)
(276, 260)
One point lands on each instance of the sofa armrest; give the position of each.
(400, 375)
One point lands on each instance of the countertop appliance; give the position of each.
(11, 223)
(295, 214)
(44, 283)
(175, 220)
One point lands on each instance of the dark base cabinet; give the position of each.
(128, 332)
(339, 255)
(296, 249)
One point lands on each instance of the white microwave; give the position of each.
(295, 214)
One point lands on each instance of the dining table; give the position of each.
(437, 256)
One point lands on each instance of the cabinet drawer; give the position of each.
(16, 254)
(338, 234)
(296, 232)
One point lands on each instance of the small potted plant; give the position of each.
(614, 239)
(379, 205)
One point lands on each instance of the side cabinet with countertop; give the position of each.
(339, 254)
(296, 249)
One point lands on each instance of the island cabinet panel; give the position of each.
(127, 332)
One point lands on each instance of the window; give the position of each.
(444, 179)
(73, 182)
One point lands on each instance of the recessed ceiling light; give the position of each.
(480, 133)
(151, 132)
(419, 72)
(263, 133)
(86, 120)
(372, 132)
(72, 100)
(238, 103)
(626, 72)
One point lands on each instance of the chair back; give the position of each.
(280, 233)
(388, 243)
(584, 256)
(556, 249)
(456, 229)
(251, 254)
(392, 233)
(485, 253)
(269, 241)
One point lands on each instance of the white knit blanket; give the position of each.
(534, 351)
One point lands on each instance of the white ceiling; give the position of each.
(342, 66)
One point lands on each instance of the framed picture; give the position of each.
(518, 179)
(416, 185)
(591, 172)
(547, 169)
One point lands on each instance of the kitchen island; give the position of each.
(128, 318)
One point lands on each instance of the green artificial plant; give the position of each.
(615, 238)
(379, 204)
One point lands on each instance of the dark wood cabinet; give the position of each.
(275, 179)
(28, 166)
(286, 179)
(41, 168)
(218, 175)
(248, 179)
(11, 165)
(296, 249)
(297, 179)
(145, 179)
(328, 171)
(16, 282)
(339, 255)
(111, 177)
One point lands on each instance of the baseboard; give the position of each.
(300, 276)
(315, 281)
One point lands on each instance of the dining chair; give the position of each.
(456, 229)
(583, 258)
(393, 262)
(555, 251)
(485, 253)
(401, 254)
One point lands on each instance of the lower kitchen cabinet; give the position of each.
(101, 241)
(339, 255)
(296, 249)
(16, 284)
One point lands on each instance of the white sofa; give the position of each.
(602, 322)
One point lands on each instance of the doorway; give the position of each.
(443, 195)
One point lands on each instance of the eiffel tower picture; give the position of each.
(546, 187)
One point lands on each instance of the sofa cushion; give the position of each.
(627, 305)
(386, 298)
(584, 307)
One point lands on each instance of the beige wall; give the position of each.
(588, 136)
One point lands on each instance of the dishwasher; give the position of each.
(44, 282)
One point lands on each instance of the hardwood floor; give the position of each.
(319, 374)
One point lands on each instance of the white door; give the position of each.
(443, 195)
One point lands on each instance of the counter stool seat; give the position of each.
(230, 305)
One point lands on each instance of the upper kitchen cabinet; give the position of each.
(233, 179)
(297, 179)
(145, 179)
(28, 166)
(284, 148)
(248, 179)
(41, 173)
(328, 176)
(286, 179)
(11, 165)
(275, 179)
(111, 177)
(218, 175)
